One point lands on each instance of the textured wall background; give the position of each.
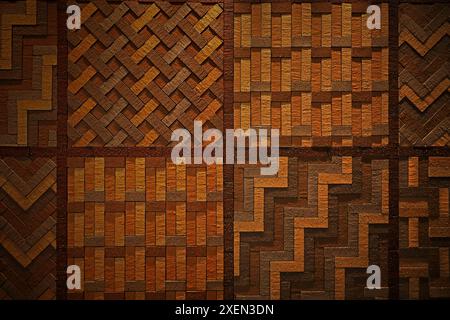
(85, 125)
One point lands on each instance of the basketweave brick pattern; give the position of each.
(143, 228)
(138, 71)
(424, 227)
(27, 228)
(312, 70)
(311, 231)
(424, 75)
(28, 73)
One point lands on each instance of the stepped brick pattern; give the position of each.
(311, 231)
(138, 71)
(312, 70)
(144, 228)
(424, 228)
(424, 75)
(28, 57)
(27, 228)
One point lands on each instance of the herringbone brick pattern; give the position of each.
(145, 228)
(424, 75)
(311, 232)
(27, 228)
(138, 71)
(312, 70)
(28, 73)
(424, 228)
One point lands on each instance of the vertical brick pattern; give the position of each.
(424, 227)
(143, 228)
(312, 70)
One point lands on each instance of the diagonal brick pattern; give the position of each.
(138, 71)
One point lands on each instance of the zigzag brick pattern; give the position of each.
(311, 231)
(424, 75)
(27, 228)
(312, 70)
(28, 73)
(424, 228)
(144, 228)
(138, 71)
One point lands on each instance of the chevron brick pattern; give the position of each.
(424, 228)
(424, 75)
(312, 70)
(143, 228)
(28, 73)
(27, 228)
(311, 232)
(138, 71)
